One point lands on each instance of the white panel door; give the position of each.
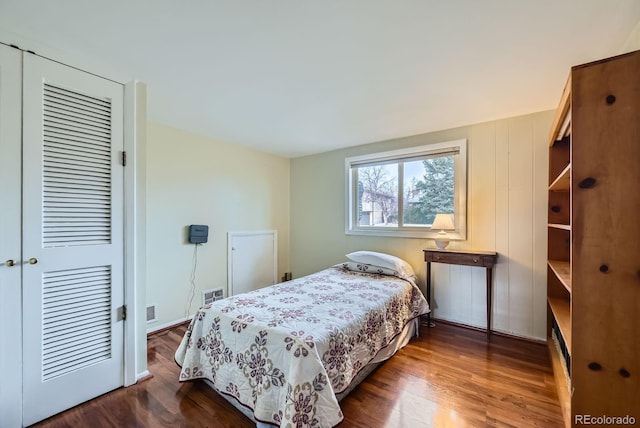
(252, 260)
(72, 237)
(10, 272)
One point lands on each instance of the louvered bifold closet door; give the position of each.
(72, 237)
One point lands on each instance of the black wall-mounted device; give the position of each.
(198, 233)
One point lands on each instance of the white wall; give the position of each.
(633, 41)
(192, 179)
(507, 192)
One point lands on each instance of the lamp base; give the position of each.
(441, 244)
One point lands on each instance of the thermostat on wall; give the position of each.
(198, 233)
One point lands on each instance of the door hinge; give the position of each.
(122, 313)
(124, 158)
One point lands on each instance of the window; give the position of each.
(398, 193)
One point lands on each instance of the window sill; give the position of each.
(394, 233)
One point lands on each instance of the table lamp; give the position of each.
(443, 222)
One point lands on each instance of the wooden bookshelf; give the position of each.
(562, 270)
(563, 181)
(562, 114)
(593, 292)
(561, 309)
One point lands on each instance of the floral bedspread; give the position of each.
(286, 350)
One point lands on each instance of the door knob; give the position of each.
(10, 263)
(33, 261)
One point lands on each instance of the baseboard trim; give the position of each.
(145, 375)
(493, 332)
(167, 326)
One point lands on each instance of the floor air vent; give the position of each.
(211, 295)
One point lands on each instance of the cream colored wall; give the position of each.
(193, 179)
(507, 193)
(633, 42)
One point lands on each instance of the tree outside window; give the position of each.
(432, 194)
(379, 196)
(399, 193)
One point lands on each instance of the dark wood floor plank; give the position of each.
(448, 377)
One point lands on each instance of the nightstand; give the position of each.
(486, 259)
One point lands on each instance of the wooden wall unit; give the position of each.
(593, 283)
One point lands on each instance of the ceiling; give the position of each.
(294, 77)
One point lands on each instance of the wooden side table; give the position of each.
(485, 259)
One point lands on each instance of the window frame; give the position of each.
(404, 155)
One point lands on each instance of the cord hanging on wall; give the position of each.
(192, 290)
(198, 235)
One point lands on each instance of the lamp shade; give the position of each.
(443, 222)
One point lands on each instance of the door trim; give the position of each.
(135, 263)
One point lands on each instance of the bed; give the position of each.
(287, 353)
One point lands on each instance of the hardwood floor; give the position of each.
(448, 377)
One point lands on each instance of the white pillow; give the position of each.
(383, 260)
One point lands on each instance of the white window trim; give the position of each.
(460, 203)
